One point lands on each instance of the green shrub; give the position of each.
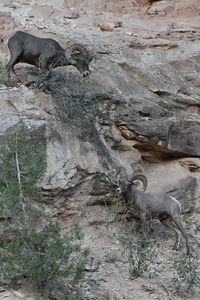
(32, 246)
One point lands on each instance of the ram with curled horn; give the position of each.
(81, 58)
(163, 207)
(46, 53)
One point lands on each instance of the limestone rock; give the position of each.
(110, 26)
(107, 27)
(43, 11)
(70, 14)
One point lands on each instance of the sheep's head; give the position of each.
(125, 180)
(78, 56)
(122, 179)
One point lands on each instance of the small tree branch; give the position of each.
(18, 168)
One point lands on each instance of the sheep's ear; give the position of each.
(76, 53)
(72, 61)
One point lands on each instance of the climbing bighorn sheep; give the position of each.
(164, 207)
(46, 53)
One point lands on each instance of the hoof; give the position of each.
(188, 252)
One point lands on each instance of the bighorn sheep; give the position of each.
(46, 53)
(164, 207)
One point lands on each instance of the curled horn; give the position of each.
(78, 50)
(127, 180)
(142, 178)
(74, 49)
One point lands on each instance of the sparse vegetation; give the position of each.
(86, 107)
(186, 272)
(142, 255)
(3, 74)
(141, 252)
(82, 106)
(32, 247)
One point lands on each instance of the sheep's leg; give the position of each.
(168, 223)
(12, 62)
(177, 220)
(44, 65)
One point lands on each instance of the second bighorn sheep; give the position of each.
(46, 53)
(164, 207)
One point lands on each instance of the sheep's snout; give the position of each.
(118, 190)
(86, 73)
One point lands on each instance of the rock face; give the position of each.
(152, 77)
(74, 163)
(110, 5)
(147, 71)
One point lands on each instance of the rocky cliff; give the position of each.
(146, 69)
